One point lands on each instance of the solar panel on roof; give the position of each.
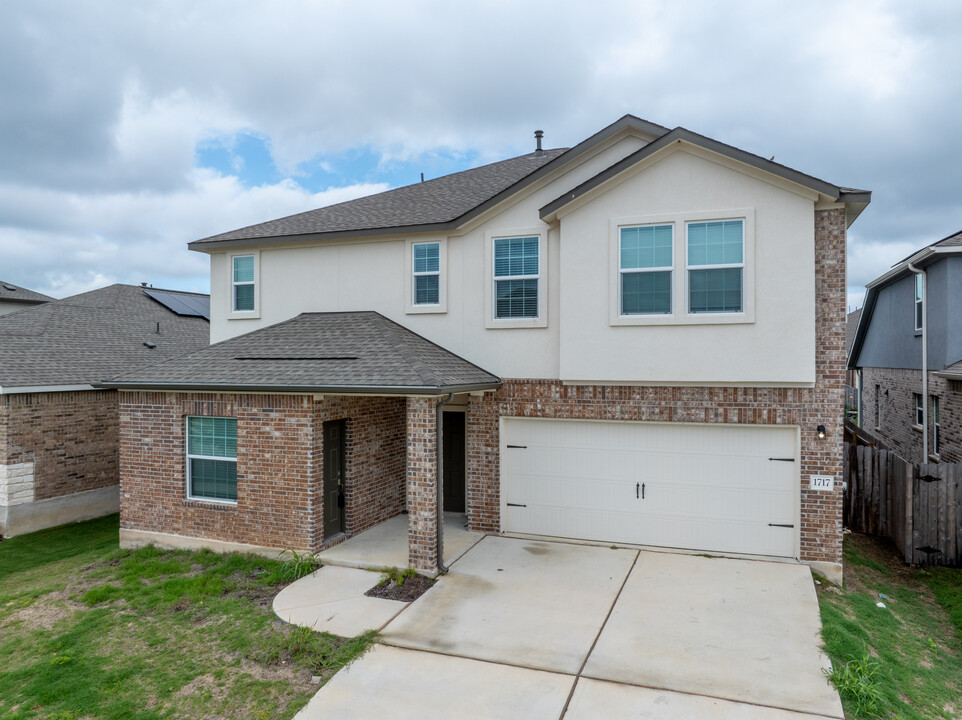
(187, 305)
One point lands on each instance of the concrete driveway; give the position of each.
(530, 629)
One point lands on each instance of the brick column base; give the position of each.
(422, 479)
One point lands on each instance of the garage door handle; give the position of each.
(779, 525)
(640, 486)
(515, 505)
(519, 447)
(779, 459)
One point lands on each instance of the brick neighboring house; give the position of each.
(58, 434)
(660, 319)
(915, 305)
(13, 298)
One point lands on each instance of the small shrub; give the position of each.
(396, 575)
(857, 681)
(298, 566)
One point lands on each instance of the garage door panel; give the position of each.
(709, 487)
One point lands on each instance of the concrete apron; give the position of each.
(531, 629)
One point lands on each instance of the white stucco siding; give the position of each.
(776, 346)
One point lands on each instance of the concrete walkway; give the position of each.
(532, 629)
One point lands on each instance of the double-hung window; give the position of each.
(212, 458)
(242, 283)
(517, 271)
(918, 301)
(645, 262)
(716, 266)
(426, 264)
(919, 412)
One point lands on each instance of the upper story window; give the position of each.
(516, 277)
(716, 265)
(242, 283)
(645, 262)
(426, 274)
(212, 458)
(918, 301)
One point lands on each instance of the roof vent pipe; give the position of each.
(538, 134)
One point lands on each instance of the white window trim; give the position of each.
(188, 485)
(442, 306)
(670, 269)
(679, 298)
(936, 427)
(917, 399)
(233, 314)
(491, 322)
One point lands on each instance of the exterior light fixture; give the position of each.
(820, 430)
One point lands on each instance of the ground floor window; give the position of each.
(936, 428)
(212, 458)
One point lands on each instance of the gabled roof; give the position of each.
(851, 326)
(949, 245)
(444, 203)
(14, 293)
(82, 339)
(856, 198)
(339, 352)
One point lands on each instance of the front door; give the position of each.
(453, 428)
(333, 477)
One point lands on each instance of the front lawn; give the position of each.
(903, 660)
(90, 631)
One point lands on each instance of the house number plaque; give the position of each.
(822, 482)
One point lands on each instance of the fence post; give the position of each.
(909, 546)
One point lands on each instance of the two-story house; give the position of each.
(908, 354)
(640, 339)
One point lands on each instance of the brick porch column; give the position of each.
(422, 478)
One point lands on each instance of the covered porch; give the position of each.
(386, 544)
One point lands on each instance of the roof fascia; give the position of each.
(626, 122)
(302, 389)
(23, 389)
(862, 328)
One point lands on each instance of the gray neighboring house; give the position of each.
(915, 306)
(13, 298)
(58, 434)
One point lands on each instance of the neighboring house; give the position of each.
(660, 319)
(14, 297)
(912, 318)
(58, 434)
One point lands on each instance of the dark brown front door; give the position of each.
(453, 428)
(333, 477)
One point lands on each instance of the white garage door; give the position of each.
(725, 488)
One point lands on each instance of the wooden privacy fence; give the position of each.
(917, 506)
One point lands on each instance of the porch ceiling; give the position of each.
(349, 352)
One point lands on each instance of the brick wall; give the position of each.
(806, 407)
(897, 427)
(279, 466)
(422, 483)
(68, 438)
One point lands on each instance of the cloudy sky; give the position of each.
(128, 129)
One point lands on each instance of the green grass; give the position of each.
(90, 631)
(904, 660)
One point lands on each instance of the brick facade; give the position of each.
(896, 428)
(821, 519)
(67, 439)
(422, 477)
(279, 466)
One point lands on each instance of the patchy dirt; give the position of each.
(42, 614)
(411, 590)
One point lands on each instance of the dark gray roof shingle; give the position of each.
(85, 338)
(441, 200)
(319, 352)
(14, 293)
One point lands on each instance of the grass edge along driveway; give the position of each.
(91, 631)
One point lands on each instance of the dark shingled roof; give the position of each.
(83, 339)
(442, 200)
(319, 352)
(851, 325)
(14, 293)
